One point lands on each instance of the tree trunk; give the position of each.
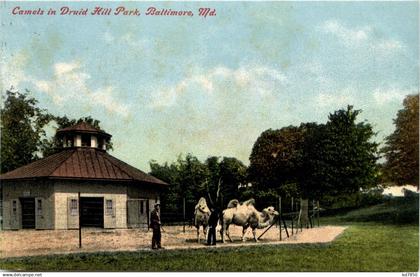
(304, 211)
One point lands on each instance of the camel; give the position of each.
(201, 217)
(246, 215)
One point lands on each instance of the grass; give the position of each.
(399, 211)
(366, 245)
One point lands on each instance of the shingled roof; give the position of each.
(81, 163)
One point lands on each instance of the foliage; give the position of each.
(349, 156)
(186, 177)
(190, 178)
(354, 200)
(276, 159)
(22, 130)
(402, 146)
(232, 175)
(334, 158)
(396, 210)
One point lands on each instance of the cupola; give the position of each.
(83, 135)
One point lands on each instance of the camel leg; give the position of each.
(254, 232)
(198, 234)
(222, 232)
(227, 233)
(205, 232)
(243, 232)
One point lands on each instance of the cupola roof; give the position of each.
(83, 128)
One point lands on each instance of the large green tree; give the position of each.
(276, 159)
(338, 157)
(402, 147)
(187, 178)
(227, 175)
(22, 130)
(191, 179)
(347, 154)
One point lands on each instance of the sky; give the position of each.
(169, 85)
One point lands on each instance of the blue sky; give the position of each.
(164, 86)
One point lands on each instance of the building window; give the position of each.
(101, 143)
(86, 140)
(39, 207)
(73, 207)
(109, 207)
(69, 142)
(14, 207)
(141, 207)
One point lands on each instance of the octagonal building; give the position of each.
(45, 194)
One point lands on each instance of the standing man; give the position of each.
(155, 225)
(213, 219)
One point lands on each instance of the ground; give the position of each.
(42, 242)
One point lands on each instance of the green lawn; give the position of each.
(364, 246)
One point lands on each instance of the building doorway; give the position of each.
(28, 212)
(92, 212)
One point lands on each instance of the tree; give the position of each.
(402, 147)
(187, 178)
(275, 161)
(346, 155)
(287, 160)
(336, 158)
(22, 130)
(191, 179)
(227, 174)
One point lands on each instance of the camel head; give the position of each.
(202, 206)
(271, 213)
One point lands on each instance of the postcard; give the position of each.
(212, 136)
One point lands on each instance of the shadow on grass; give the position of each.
(397, 211)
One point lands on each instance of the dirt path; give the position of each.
(37, 242)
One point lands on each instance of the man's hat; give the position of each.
(157, 204)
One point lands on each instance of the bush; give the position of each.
(356, 200)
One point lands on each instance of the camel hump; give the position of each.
(233, 203)
(249, 202)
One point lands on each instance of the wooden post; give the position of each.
(300, 215)
(292, 215)
(183, 211)
(80, 217)
(313, 214)
(280, 217)
(317, 206)
(148, 214)
(285, 227)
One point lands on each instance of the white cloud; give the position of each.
(127, 39)
(385, 96)
(335, 100)
(70, 85)
(346, 35)
(61, 69)
(361, 37)
(11, 72)
(257, 79)
(107, 100)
